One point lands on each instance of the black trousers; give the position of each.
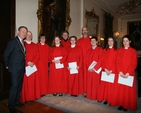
(15, 90)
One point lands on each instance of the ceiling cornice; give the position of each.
(133, 16)
(105, 6)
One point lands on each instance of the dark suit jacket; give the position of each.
(14, 56)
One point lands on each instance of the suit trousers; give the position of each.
(16, 86)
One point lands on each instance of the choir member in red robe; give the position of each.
(125, 96)
(58, 77)
(65, 39)
(30, 88)
(93, 77)
(74, 53)
(108, 66)
(84, 43)
(43, 64)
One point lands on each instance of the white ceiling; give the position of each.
(112, 5)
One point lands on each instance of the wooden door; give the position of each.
(7, 31)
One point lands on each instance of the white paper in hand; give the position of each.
(30, 70)
(58, 65)
(99, 70)
(126, 81)
(107, 78)
(92, 65)
(73, 66)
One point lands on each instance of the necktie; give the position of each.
(22, 42)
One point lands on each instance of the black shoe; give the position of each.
(12, 110)
(74, 95)
(55, 94)
(60, 94)
(124, 109)
(20, 104)
(98, 101)
(120, 108)
(85, 96)
(105, 102)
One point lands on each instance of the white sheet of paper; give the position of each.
(73, 66)
(58, 65)
(30, 70)
(126, 81)
(98, 71)
(92, 65)
(107, 78)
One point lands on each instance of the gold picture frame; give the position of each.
(92, 22)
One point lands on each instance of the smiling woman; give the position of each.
(53, 17)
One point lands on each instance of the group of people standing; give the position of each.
(69, 69)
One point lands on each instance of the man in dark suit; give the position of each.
(14, 58)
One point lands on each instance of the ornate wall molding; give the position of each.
(68, 19)
(40, 15)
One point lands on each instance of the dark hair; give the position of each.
(41, 35)
(126, 36)
(65, 32)
(22, 27)
(73, 37)
(115, 43)
(94, 37)
(53, 44)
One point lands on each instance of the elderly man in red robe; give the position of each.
(84, 43)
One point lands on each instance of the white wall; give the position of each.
(26, 15)
(75, 14)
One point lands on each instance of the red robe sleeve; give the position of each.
(64, 56)
(103, 60)
(118, 67)
(133, 66)
(50, 54)
(36, 54)
(99, 52)
(80, 58)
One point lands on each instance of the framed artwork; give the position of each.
(53, 17)
(134, 30)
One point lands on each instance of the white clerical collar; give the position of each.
(29, 42)
(72, 46)
(58, 45)
(42, 43)
(110, 47)
(126, 47)
(93, 47)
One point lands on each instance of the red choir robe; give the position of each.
(108, 62)
(125, 95)
(75, 80)
(65, 44)
(30, 87)
(84, 43)
(93, 79)
(57, 77)
(43, 67)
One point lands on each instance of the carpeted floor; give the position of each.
(81, 104)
